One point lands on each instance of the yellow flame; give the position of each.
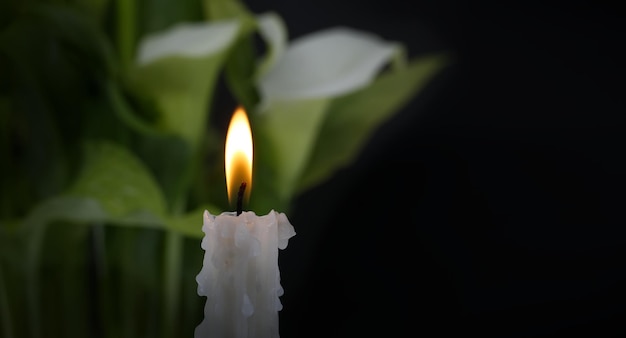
(238, 155)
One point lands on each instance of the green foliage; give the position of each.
(353, 117)
(119, 181)
(107, 160)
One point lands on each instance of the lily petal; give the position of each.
(187, 40)
(326, 63)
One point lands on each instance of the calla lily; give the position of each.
(327, 63)
(178, 69)
(297, 83)
(311, 113)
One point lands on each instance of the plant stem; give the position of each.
(97, 273)
(129, 287)
(172, 270)
(33, 265)
(173, 257)
(5, 311)
(126, 13)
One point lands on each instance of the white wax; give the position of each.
(240, 275)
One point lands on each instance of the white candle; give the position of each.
(240, 275)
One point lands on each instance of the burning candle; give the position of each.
(240, 275)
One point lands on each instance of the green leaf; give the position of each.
(354, 117)
(169, 157)
(120, 182)
(289, 130)
(114, 188)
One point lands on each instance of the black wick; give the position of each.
(242, 189)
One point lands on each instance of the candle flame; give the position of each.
(238, 155)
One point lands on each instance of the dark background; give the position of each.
(493, 203)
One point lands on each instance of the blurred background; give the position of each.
(491, 204)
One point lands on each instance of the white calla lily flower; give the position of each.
(326, 63)
(273, 30)
(188, 40)
(178, 67)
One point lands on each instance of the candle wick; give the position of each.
(242, 189)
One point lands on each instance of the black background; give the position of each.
(492, 204)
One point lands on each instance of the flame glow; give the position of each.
(238, 155)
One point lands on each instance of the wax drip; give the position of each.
(242, 189)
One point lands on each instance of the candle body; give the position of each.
(240, 275)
